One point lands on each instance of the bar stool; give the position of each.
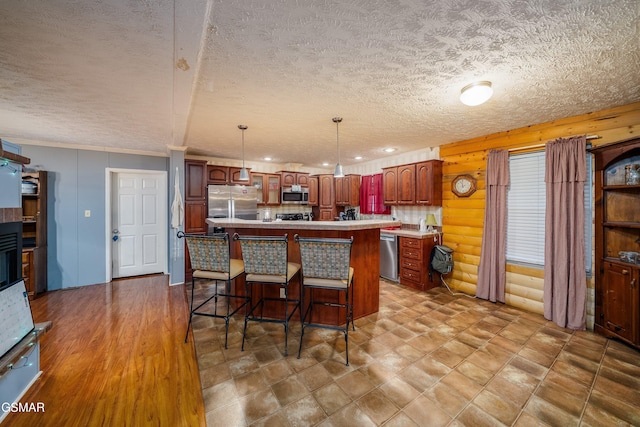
(326, 265)
(266, 264)
(210, 259)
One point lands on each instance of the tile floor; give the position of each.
(425, 359)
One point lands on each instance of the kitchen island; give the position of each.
(365, 254)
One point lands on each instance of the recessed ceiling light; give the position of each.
(268, 159)
(389, 150)
(325, 164)
(358, 157)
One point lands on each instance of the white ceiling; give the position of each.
(101, 72)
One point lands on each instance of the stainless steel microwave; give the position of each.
(295, 195)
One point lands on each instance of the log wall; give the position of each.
(463, 217)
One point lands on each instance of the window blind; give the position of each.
(526, 205)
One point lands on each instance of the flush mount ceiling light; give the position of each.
(389, 150)
(358, 157)
(476, 93)
(244, 173)
(267, 159)
(338, 172)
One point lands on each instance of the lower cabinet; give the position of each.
(619, 313)
(415, 255)
(34, 271)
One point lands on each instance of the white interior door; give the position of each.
(139, 223)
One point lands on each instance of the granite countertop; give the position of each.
(303, 225)
(411, 233)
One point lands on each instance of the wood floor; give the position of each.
(115, 356)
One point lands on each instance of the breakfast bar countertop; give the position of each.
(364, 224)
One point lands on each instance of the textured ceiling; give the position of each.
(146, 74)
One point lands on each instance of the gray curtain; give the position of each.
(565, 290)
(492, 275)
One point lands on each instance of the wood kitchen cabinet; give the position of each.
(617, 229)
(313, 191)
(348, 190)
(390, 185)
(415, 256)
(429, 183)
(406, 184)
(195, 198)
(268, 188)
(294, 178)
(413, 184)
(34, 234)
(326, 209)
(197, 176)
(399, 185)
(224, 175)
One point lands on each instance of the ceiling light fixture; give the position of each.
(338, 172)
(358, 157)
(389, 150)
(268, 159)
(476, 93)
(244, 173)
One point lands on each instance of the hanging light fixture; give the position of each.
(244, 173)
(338, 172)
(476, 93)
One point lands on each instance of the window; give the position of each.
(526, 203)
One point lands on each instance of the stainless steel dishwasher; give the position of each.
(389, 256)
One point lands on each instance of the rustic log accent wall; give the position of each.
(463, 217)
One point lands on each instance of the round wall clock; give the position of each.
(463, 185)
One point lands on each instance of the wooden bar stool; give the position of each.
(210, 259)
(326, 265)
(266, 264)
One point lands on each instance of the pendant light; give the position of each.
(244, 173)
(338, 172)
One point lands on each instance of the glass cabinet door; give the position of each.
(257, 181)
(273, 185)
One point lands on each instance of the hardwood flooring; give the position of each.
(115, 356)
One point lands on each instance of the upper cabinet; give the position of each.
(196, 180)
(195, 205)
(617, 240)
(313, 191)
(348, 190)
(413, 184)
(223, 175)
(268, 186)
(390, 185)
(429, 183)
(294, 178)
(326, 209)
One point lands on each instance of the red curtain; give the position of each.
(371, 200)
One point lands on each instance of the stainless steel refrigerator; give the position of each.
(232, 201)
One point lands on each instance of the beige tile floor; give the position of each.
(425, 359)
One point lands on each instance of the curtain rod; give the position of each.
(531, 147)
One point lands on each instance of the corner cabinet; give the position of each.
(34, 232)
(617, 232)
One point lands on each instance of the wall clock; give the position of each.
(463, 185)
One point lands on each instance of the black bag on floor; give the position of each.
(441, 260)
